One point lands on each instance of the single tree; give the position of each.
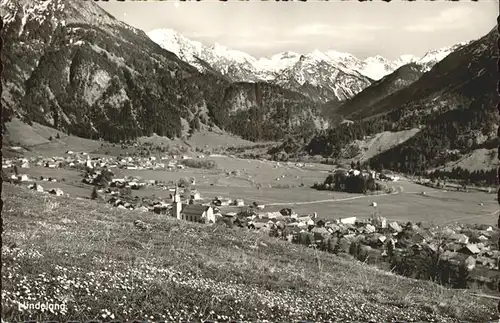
(94, 194)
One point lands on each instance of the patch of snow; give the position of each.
(24, 19)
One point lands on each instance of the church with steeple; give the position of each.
(191, 212)
(176, 204)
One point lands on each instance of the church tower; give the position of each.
(177, 204)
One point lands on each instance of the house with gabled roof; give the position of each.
(470, 249)
(195, 195)
(459, 238)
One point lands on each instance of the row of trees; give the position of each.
(351, 184)
(427, 264)
(479, 177)
(199, 163)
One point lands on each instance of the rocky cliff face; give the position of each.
(72, 66)
(262, 110)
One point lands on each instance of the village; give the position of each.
(471, 250)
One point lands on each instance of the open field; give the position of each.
(437, 206)
(279, 183)
(202, 139)
(35, 141)
(92, 258)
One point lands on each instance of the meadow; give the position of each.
(92, 258)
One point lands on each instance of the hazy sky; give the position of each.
(363, 29)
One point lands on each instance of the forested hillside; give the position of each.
(72, 66)
(454, 104)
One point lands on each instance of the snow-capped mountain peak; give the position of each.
(238, 56)
(334, 74)
(175, 42)
(325, 75)
(377, 58)
(406, 59)
(284, 55)
(432, 57)
(339, 55)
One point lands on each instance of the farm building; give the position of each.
(220, 201)
(470, 249)
(350, 220)
(36, 187)
(354, 172)
(56, 192)
(460, 238)
(239, 202)
(195, 195)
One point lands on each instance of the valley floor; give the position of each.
(277, 185)
(92, 258)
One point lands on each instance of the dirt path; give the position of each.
(331, 200)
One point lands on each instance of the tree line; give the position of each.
(342, 182)
(442, 137)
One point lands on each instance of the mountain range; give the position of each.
(451, 107)
(322, 76)
(72, 66)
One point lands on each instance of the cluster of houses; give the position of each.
(39, 188)
(20, 178)
(73, 159)
(473, 247)
(99, 174)
(183, 207)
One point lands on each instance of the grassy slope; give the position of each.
(381, 142)
(201, 139)
(36, 139)
(478, 159)
(94, 257)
